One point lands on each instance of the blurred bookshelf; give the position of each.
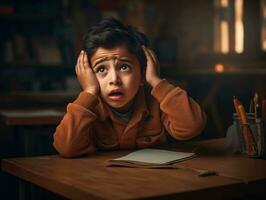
(37, 46)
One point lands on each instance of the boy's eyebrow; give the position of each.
(99, 61)
(107, 58)
(125, 59)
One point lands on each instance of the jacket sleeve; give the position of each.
(73, 136)
(181, 116)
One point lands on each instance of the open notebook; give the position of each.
(151, 158)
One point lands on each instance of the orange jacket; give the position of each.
(89, 124)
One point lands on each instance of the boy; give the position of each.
(114, 110)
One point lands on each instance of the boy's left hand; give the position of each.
(153, 67)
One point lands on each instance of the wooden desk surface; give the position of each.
(31, 117)
(213, 156)
(89, 178)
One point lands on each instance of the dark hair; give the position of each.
(110, 33)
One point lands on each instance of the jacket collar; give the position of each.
(140, 107)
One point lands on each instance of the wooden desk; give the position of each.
(25, 122)
(23, 99)
(213, 156)
(89, 178)
(31, 117)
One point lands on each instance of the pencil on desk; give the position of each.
(247, 133)
(240, 132)
(236, 104)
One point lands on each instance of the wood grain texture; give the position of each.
(90, 178)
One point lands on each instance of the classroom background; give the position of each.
(214, 49)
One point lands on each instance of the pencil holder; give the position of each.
(258, 135)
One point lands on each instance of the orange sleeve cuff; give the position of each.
(87, 100)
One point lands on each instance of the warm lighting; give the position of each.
(263, 25)
(222, 34)
(264, 43)
(239, 29)
(219, 68)
(224, 3)
(224, 28)
(229, 26)
(224, 37)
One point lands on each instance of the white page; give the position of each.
(155, 156)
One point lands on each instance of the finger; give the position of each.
(155, 60)
(77, 63)
(148, 56)
(152, 54)
(81, 67)
(85, 64)
(86, 61)
(144, 49)
(77, 68)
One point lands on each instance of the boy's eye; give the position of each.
(124, 67)
(100, 69)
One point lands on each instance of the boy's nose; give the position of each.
(114, 78)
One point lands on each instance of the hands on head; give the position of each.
(85, 74)
(153, 67)
(90, 84)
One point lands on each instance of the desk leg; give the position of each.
(22, 190)
(26, 191)
(21, 142)
(18, 142)
(29, 141)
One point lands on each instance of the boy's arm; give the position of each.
(73, 136)
(182, 117)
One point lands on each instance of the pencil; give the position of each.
(236, 104)
(242, 141)
(251, 106)
(250, 142)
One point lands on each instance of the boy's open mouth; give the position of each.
(116, 95)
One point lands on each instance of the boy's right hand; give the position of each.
(86, 76)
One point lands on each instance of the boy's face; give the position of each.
(119, 75)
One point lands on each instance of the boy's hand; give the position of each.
(152, 70)
(85, 74)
